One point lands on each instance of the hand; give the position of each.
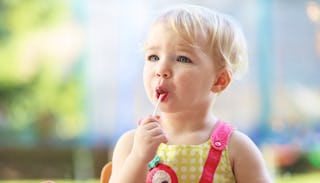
(147, 138)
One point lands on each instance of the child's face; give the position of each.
(184, 73)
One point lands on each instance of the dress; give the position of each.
(185, 163)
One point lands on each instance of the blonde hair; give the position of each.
(222, 36)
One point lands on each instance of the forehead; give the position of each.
(163, 37)
(161, 32)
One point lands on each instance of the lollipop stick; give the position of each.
(156, 107)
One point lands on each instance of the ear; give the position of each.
(223, 79)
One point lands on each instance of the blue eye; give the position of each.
(153, 58)
(184, 59)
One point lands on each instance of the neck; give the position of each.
(186, 122)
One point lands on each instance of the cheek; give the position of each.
(146, 73)
(194, 84)
(187, 79)
(147, 76)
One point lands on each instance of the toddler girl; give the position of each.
(191, 54)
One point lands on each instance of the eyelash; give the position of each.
(150, 58)
(185, 59)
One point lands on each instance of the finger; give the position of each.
(142, 119)
(162, 138)
(151, 125)
(148, 119)
(156, 131)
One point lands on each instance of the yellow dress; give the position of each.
(203, 163)
(188, 161)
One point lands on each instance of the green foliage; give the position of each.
(44, 106)
(19, 17)
(297, 178)
(314, 156)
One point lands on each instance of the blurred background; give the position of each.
(71, 82)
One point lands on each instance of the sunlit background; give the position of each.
(71, 83)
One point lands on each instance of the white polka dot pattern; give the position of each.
(188, 161)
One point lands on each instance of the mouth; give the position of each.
(161, 92)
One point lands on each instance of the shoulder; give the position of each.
(127, 136)
(240, 145)
(126, 139)
(121, 151)
(240, 141)
(246, 159)
(124, 145)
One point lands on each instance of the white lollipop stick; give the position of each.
(156, 107)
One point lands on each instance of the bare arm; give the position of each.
(124, 167)
(248, 163)
(134, 150)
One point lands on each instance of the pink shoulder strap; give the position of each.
(219, 140)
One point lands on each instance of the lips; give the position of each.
(161, 91)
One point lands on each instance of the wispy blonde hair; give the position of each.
(223, 37)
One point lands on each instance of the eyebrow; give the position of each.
(186, 48)
(192, 49)
(151, 48)
(180, 47)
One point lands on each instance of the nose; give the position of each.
(164, 70)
